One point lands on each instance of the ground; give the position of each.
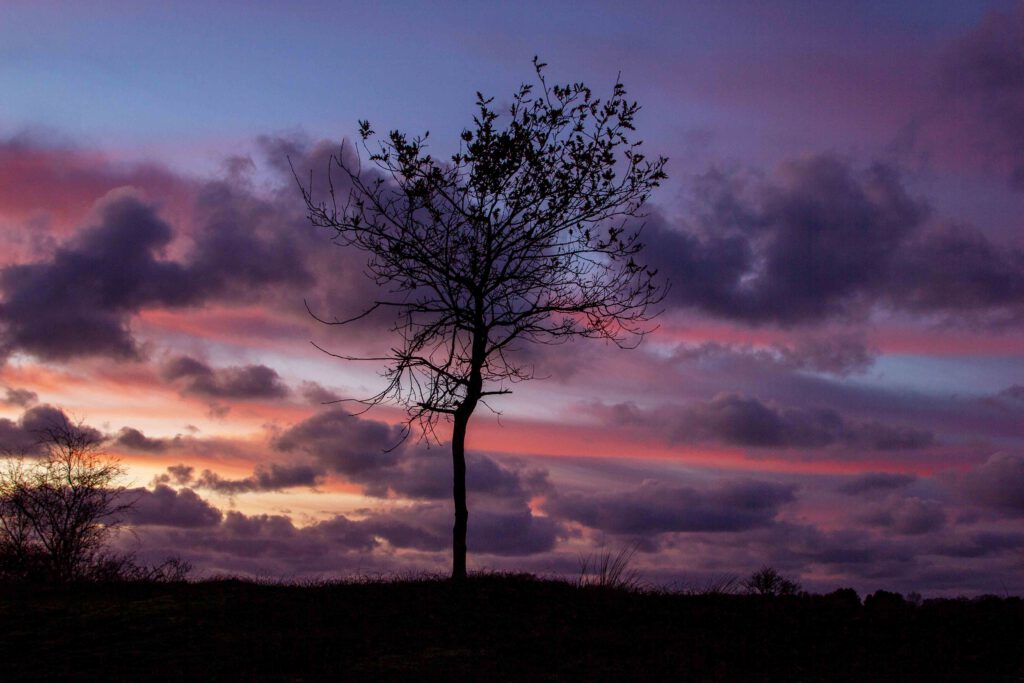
(494, 628)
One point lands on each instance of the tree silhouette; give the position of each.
(56, 512)
(522, 236)
(768, 581)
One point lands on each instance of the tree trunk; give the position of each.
(474, 390)
(459, 496)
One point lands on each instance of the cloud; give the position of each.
(1015, 392)
(997, 483)
(746, 421)
(164, 506)
(79, 299)
(812, 246)
(317, 394)
(656, 508)
(77, 303)
(181, 474)
(873, 482)
(427, 474)
(908, 516)
(958, 270)
(822, 241)
(840, 354)
(983, 85)
(133, 439)
(373, 455)
(427, 526)
(28, 434)
(982, 544)
(263, 544)
(272, 477)
(20, 397)
(344, 443)
(238, 382)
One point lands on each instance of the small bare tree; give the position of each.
(523, 235)
(768, 581)
(56, 512)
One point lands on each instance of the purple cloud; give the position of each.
(241, 382)
(164, 506)
(80, 300)
(654, 508)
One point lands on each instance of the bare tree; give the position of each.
(768, 581)
(56, 513)
(524, 235)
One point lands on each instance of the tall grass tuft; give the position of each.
(610, 570)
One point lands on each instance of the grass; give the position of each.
(494, 628)
(610, 570)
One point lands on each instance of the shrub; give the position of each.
(768, 581)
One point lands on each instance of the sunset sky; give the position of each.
(836, 387)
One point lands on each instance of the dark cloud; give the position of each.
(242, 382)
(654, 508)
(825, 241)
(1016, 392)
(246, 244)
(997, 483)
(257, 541)
(345, 533)
(344, 443)
(816, 245)
(265, 477)
(427, 527)
(957, 270)
(273, 545)
(982, 544)
(20, 397)
(747, 421)
(373, 455)
(842, 354)
(427, 474)
(873, 482)
(516, 533)
(182, 474)
(28, 433)
(849, 550)
(984, 86)
(908, 516)
(132, 438)
(317, 394)
(80, 301)
(164, 506)
(272, 477)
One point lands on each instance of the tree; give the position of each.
(525, 235)
(56, 513)
(768, 581)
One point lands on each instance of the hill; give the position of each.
(495, 628)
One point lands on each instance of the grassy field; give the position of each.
(494, 628)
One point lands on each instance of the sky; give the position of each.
(835, 388)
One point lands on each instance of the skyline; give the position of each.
(836, 387)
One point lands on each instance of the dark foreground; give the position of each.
(497, 628)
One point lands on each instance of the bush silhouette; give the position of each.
(768, 581)
(57, 511)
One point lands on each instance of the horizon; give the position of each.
(835, 387)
